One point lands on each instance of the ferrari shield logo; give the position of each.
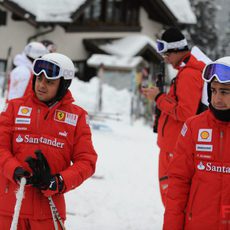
(66, 117)
(60, 116)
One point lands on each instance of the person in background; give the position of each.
(20, 79)
(50, 45)
(181, 102)
(45, 138)
(199, 193)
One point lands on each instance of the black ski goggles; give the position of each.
(218, 70)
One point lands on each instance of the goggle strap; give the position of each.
(178, 44)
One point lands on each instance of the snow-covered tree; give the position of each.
(204, 34)
(224, 42)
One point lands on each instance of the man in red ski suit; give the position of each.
(181, 102)
(198, 195)
(44, 126)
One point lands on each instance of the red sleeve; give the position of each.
(84, 156)
(188, 90)
(180, 172)
(8, 162)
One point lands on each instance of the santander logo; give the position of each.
(37, 140)
(210, 167)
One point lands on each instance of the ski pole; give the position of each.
(19, 197)
(55, 214)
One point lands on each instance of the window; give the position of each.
(113, 13)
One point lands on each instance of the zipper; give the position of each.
(163, 127)
(38, 117)
(192, 203)
(221, 144)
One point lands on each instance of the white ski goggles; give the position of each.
(51, 70)
(218, 70)
(163, 46)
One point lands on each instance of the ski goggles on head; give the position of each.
(163, 46)
(218, 70)
(51, 70)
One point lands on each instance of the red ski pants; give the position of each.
(164, 160)
(27, 224)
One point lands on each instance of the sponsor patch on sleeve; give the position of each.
(65, 117)
(184, 130)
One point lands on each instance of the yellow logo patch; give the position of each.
(205, 135)
(24, 111)
(60, 115)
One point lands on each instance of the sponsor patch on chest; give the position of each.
(65, 117)
(32, 139)
(22, 120)
(24, 111)
(204, 148)
(205, 135)
(213, 167)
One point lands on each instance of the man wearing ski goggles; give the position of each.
(51, 70)
(176, 105)
(54, 155)
(199, 173)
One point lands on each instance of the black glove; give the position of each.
(42, 177)
(20, 172)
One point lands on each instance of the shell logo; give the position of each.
(24, 110)
(204, 135)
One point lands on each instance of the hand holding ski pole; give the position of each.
(48, 184)
(42, 178)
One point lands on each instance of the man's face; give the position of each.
(172, 58)
(220, 95)
(45, 89)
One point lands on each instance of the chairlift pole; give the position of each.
(99, 93)
(7, 70)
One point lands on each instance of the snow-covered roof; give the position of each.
(61, 10)
(182, 10)
(128, 46)
(50, 10)
(112, 61)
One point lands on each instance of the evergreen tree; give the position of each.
(204, 33)
(224, 44)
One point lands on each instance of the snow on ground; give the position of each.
(123, 194)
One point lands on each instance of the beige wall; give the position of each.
(16, 33)
(149, 27)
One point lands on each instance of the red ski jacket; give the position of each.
(61, 132)
(198, 195)
(180, 103)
